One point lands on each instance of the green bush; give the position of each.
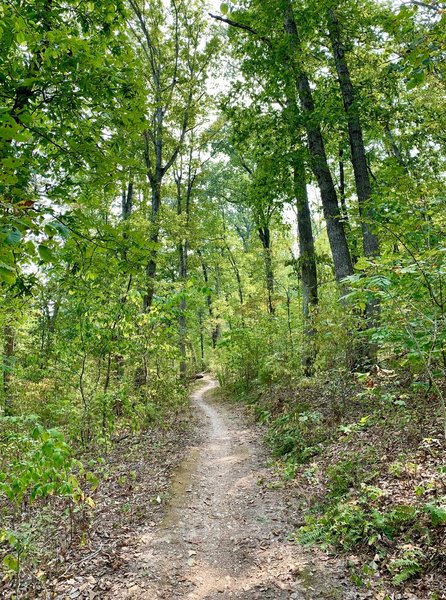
(36, 464)
(347, 524)
(350, 473)
(295, 435)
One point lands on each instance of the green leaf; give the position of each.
(13, 238)
(10, 563)
(20, 37)
(7, 274)
(437, 514)
(61, 229)
(45, 253)
(416, 80)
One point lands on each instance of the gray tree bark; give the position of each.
(360, 167)
(307, 259)
(319, 163)
(356, 138)
(265, 238)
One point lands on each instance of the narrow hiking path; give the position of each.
(223, 535)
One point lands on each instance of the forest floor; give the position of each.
(221, 531)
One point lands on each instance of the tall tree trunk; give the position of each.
(319, 164)
(359, 162)
(232, 259)
(127, 201)
(200, 321)
(342, 185)
(182, 325)
(216, 330)
(307, 259)
(236, 270)
(265, 238)
(306, 241)
(182, 336)
(184, 199)
(153, 240)
(356, 138)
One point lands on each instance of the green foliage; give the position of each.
(350, 474)
(148, 231)
(44, 465)
(293, 435)
(347, 524)
(37, 467)
(18, 544)
(409, 565)
(437, 513)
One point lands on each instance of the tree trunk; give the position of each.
(232, 259)
(153, 241)
(359, 159)
(307, 258)
(342, 185)
(236, 273)
(127, 201)
(359, 162)
(200, 321)
(319, 164)
(265, 238)
(216, 330)
(182, 326)
(184, 192)
(306, 241)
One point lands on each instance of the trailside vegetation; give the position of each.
(255, 189)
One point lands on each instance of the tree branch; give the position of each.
(434, 7)
(242, 26)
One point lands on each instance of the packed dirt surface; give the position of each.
(224, 535)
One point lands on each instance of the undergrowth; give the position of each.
(366, 459)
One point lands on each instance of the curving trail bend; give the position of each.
(224, 535)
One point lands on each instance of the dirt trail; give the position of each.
(224, 535)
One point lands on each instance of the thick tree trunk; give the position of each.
(359, 159)
(307, 258)
(359, 162)
(127, 201)
(342, 186)
(319, 164)
(265, 238)
(306, 241)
